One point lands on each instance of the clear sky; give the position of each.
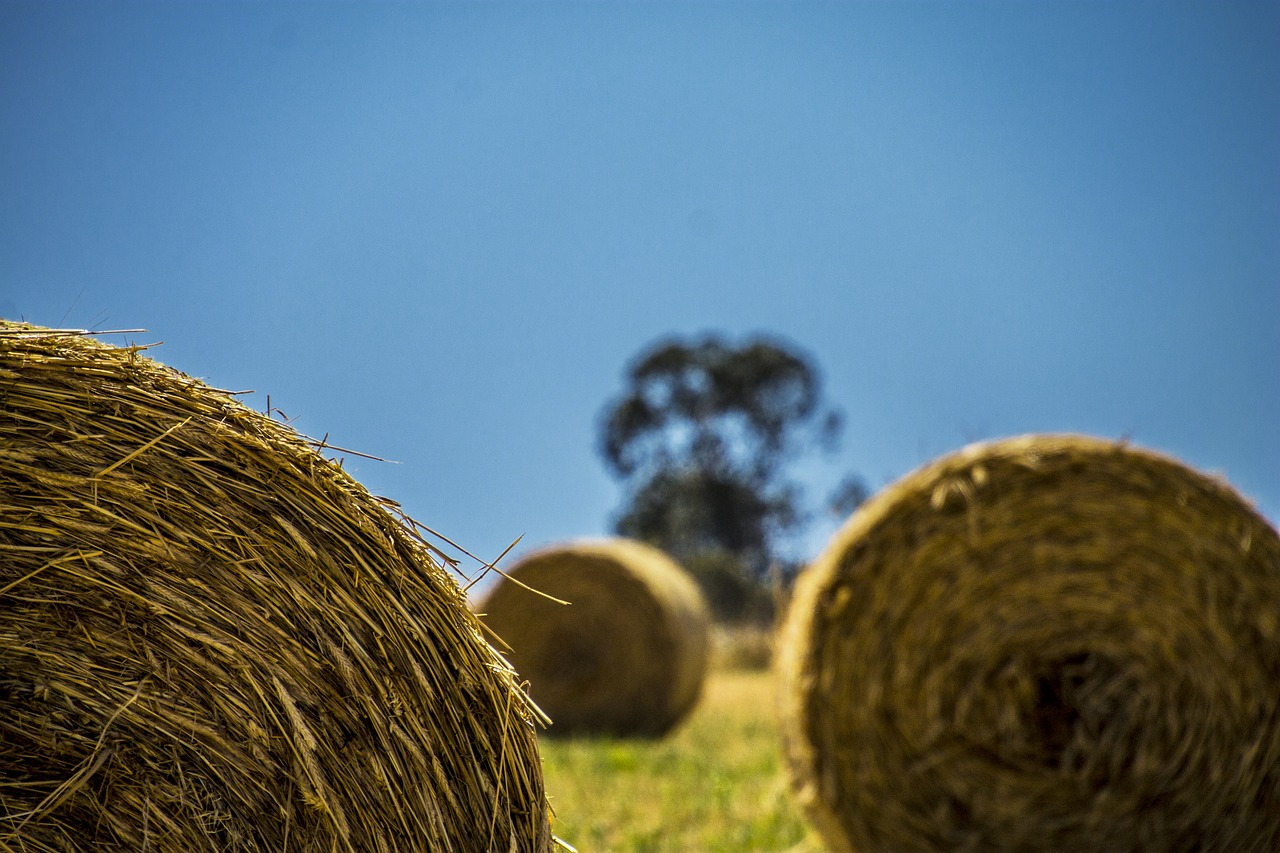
(438, 233)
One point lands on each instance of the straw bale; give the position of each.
(213, 638)
(626, 655)
(1050, 643)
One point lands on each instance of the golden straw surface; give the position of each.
(213, 639)
(625, 656)
(1050, 643)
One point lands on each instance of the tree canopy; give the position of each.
(701, 437)
(715, 407)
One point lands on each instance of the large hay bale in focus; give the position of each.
(625, 656)
(1047, 643)
(214, 639)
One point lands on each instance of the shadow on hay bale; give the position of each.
(212, 638)
(626, 656)
(1043, 643)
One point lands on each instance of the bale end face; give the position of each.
(1048, 642)
(625, 656)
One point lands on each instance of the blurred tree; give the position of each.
(700, 438)
(847, 496)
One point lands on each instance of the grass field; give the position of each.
(715, 784)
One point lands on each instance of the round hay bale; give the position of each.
(1050, 643)
(213, 639)
(625, 656)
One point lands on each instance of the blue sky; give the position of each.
(438, 233)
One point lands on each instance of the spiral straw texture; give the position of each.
(1049, 643)
(213, 639)
(625, 656)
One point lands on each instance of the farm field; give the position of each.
(715, 784)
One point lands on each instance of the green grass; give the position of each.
(715, 784)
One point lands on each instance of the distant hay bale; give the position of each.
(626, 656)
(1049, 643)
(213, 639)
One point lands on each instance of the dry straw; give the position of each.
(1049, 643)
(625, 656)
(212, 638)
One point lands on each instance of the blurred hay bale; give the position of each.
(742, 646)
(1044, 643)
(213, 639)
(626, 656)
